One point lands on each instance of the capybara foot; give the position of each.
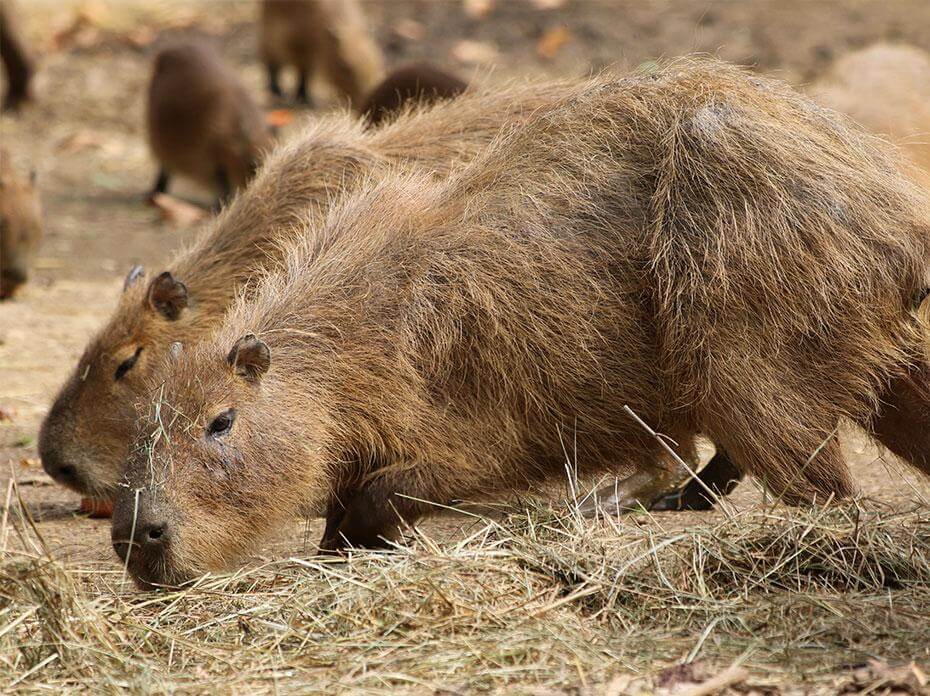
(636, 492)
(720, 476)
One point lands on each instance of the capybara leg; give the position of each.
(161, 183)
(274, 85)
(902, 423)
(653, 477)
(224, 186)
(18, 67)
(720, 475)
(372, 519)
(303, 90)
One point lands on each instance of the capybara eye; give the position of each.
(127, 365)
(222, 424)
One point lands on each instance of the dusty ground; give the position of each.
(84, 136)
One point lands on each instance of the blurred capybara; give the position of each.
(202, 123)
(886, 88)
(329, 37)
(419, 82)
(87, 433)
(20, 226)
(710, 248)
(15, 59)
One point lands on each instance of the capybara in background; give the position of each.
(87, 433)
(711, 248)
(20, 226)
(15, 59)
(201, 121)
(419, 82)
(329, 37)
(886, 88)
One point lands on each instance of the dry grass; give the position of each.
(535, 602)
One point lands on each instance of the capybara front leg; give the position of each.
(902, 423)
(274, 84)
(161, 184)
(721, 476)
(303, 88)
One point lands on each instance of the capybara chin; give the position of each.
(418, 82)
(16, 60)
(21, 227)
(710, 248)
(86, 435)
(329, 37)
(201, 121)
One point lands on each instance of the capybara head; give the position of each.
(90, 422)
(20, 228)
(199, 474)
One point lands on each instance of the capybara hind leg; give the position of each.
(274, 85)
(637, 491)
(721, 476)
(372, 518)
(902, 423)
(302, 95)
(161, 184)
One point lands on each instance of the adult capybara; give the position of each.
(86, 435)
(329, 37)
(418, 82)
(201, 121)
(20, 226)
(16, 60)
(886, 88)
(710, 248)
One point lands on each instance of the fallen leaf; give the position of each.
(30, 463)
(81, 140)
(279, 117)
(553, 40)
(471, 52)
(477, 9)
(6, 414)
(177, 212)
(547, 4)
(409, 29)
(96, 508)
(141, 37)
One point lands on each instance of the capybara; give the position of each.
(418, 82)
(87, 433)
(886, 88)
(16, 60)
(202, 123)
(20, 226)
(329, 37)
(710, 248)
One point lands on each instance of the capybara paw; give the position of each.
(682, 500)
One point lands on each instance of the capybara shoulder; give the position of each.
(417, 83)
(202, 123)
(21, 226)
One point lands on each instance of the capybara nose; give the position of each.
(64, 473)
(150, 541)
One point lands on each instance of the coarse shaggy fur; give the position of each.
(201, 121)
(710, 248)
(86, 435)
(330, 37)
(21, 228)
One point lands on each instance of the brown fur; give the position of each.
(326, 36)
(86, 435)
(710, 248)
(419, 82)
(20, 227)
(201, 121)
(886, 88)
(16, 60)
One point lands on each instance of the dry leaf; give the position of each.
(547, 4)
(177, 212)
(279, 117)
(477, 9)
(6, 414)
(409, 29)
(471, 52)
(141, 37)
(550, 42)
(30, 463)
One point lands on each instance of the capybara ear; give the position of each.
(250, 358)
(134, 274)
(168, 296)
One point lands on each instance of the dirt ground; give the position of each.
(84, 135)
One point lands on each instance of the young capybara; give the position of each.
(886, 88)
(418, 82)
(87, 433)
(20, 226)
(329, 37)
(201, 121)
(15, 59)
(710, 248)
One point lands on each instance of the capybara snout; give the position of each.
(142, 535)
